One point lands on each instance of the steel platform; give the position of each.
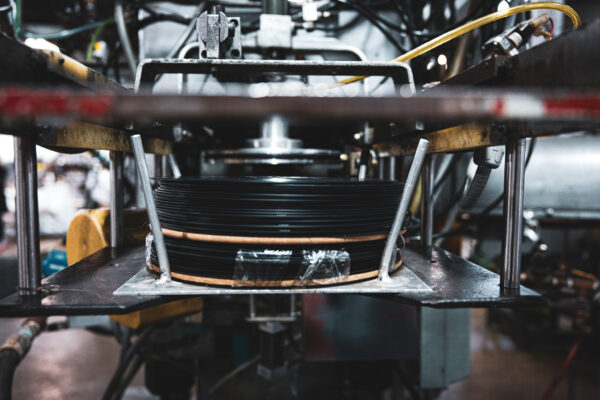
(115, 281)
(446, 281)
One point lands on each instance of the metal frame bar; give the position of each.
(427, 205)
(174, 166)
(514, 190)
(116, 198)
(409, 186)
(159, 240)
(150, 68)
(27, 216)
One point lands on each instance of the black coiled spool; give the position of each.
(207, 222)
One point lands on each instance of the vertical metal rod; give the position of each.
(292, 305)
(508, 211)
(392, 168)
(409, 186)
(174, 166)
(159, 240)
(164, 165)
(116, 199)
(252, 306)
(27, 216)
(427, 178)
(514, 190)
(158, 171)
(381, 168)
(511, 272)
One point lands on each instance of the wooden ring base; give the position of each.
(202, 237)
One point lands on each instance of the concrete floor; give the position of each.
(76, 364)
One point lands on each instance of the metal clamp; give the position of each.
(159, 240)
(291, 317)
(409, 186)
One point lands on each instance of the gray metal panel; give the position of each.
(562, 179)
(445, 351)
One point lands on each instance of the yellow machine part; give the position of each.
(89, 231)
(160, 313)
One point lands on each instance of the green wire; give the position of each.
(94, 39)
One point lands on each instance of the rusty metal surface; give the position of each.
(24, 65)
(86, 288)
(460, 283)
(83, 135)
(456, 138)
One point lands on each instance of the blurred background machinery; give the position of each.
(508, 101)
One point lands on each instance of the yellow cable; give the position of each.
(469, 26)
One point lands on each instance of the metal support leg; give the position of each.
(164, 165)
(116, 199)
(392, 168)
(381, 168)
(409, 186)
(159, 240)
(427, 178)
(27, 216)
(514, 190)
(174, 166)
(158, 170)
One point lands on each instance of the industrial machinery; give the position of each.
(312, 197)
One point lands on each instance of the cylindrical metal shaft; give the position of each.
(159, 240)
(427, 179)
(409, 186)
(514, 190)
(275, 6)
(27, 216)
(116, 198)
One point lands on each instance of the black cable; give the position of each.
(136, 364)
(9, 359)
(486, 211)
(351, 23)
(125, 362)
(373, 20)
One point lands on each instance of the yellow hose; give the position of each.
(469, 26)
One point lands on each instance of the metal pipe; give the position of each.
(252, 306)
(380, 168)
(124, 37)
(174, 166)
(275, 6)
(187, 33)
(27, 216)
(392, 168)
(508, 210)
(409, 186)
(116, 199)
(292, 305)
(158, 171)
(159, 240)
(514, 187)
(427, 179)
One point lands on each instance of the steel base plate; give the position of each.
(145, 283)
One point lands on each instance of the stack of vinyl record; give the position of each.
(274, 232)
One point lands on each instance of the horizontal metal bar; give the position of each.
(150, 68)
(22, 105)
(81, 135)
(456, 138)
